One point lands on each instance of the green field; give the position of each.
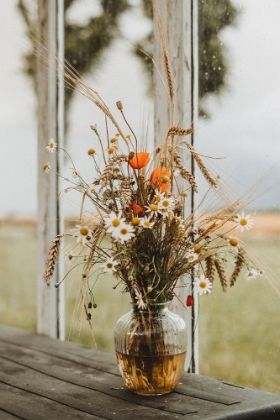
(239, 330)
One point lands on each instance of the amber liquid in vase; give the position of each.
(152, 375)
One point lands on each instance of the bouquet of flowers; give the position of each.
(139, 230)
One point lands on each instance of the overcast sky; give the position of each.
(245, 124)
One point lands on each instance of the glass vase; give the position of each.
(151, 349)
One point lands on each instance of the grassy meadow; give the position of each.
(239, 329)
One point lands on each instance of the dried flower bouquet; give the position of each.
(139, 202)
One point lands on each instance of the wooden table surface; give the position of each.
(43, 378)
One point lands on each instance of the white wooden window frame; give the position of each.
(180, 20)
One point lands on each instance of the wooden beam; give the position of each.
(179, 19)
(50, 319)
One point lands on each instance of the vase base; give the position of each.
(152, 375)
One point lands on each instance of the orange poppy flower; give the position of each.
(135, 208)
(140, 160)
(159, 178)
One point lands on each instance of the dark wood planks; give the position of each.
(39, 376)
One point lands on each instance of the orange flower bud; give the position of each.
(189, 301)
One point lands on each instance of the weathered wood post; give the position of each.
(179, 18)
(50, 319)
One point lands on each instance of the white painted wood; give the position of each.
(49, 213)
(179, 19)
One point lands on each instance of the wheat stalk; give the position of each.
(210, 268)
(201, 165)
(52, 257)
(221, 273)
(239, 262)
(179, 131)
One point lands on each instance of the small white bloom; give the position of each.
(123, 233)
(233, 241)
(153, 209)
(110, 265)
(252, 274)
(145, 222)
(51, 146)
(202, 285)
(46, 167)
(113, 221)
(192, 256)
(167, 203)
(159, 196)
(243, 222)
(83, 234)
(140, 302)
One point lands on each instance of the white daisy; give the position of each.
(83, 234)
(109, 265)
(192, 256)
(243, 222)
(145, 222)
(252, 274)
(165, 213)
(233, 241)
(46, 167)
(51, 146)
(113, 221)
(140, 302)
(167, 203)
(159, 196)
(153, 209)
(123, 233)
(202, 285)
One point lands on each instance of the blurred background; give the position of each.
(239, 90)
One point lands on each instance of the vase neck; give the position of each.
(151, 308)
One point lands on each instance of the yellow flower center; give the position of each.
(138, 298)
(109, 265)
(91, 151)
(184, 194)
(243, 221)
(154, 207)
(123, 231)
(115, 222)
(113, 140)
(111, 150)
(51, 145)
(177, 218)
(45, 166)
(84, 231)
(233, 241)
(202, 285)
(165, 203)
(147, 223)
(92, 191)
(136, 221)
(197, 248)
(157, 198)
